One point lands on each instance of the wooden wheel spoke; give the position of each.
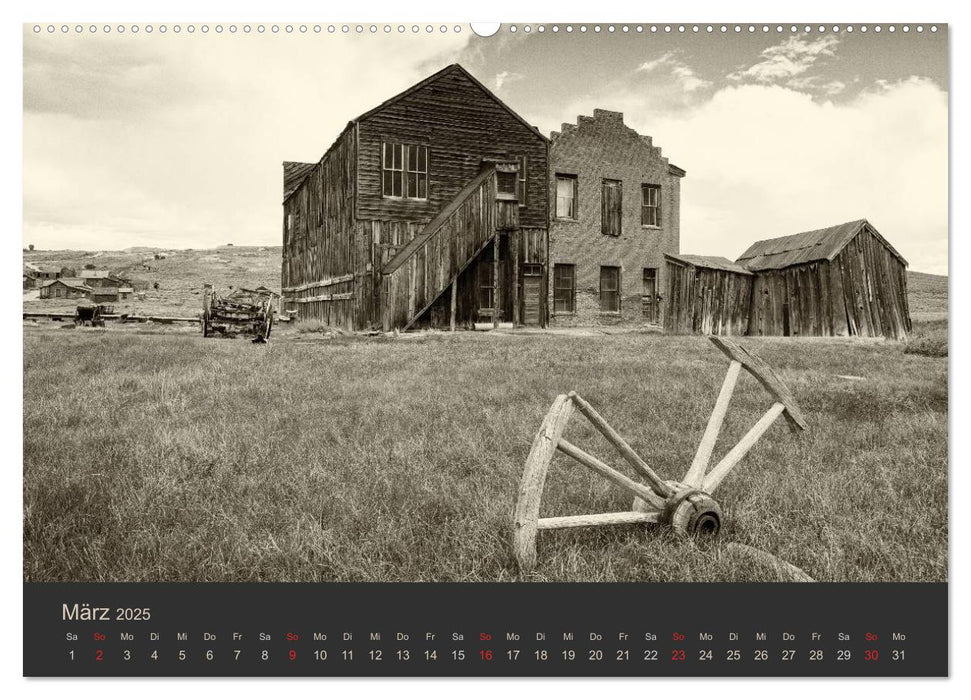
(656, 482)
(696, 473)
(735, 455)
(609, 473)
(595, 520)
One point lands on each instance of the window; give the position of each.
(521, 182)
(610, 288)
(650, 205)
(404, 171)
(564, 288)
(566, 197)
(506, 184)
(417, 166)
(485, 284)
(611, 207)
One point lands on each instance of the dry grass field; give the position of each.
(157, 455)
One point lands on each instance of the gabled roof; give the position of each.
(809, 246)
(293, 176)
(453, 68)
(297, 180)
(68, 282)
(712, 262)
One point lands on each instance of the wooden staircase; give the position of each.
(430, 264)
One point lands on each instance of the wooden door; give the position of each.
(532, 293)
(649, 295)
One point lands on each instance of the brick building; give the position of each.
(615, 211)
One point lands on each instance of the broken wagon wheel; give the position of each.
(686, 506)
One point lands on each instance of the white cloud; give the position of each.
(506, 77)
(686, 77)
(767, 161)
(193, 156)
(784, 62)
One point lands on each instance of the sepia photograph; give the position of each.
(566, 303)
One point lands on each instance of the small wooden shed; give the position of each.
(706, 294)
(837, 281)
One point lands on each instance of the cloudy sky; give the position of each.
(177, 140)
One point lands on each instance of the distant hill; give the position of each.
(927, 293)
(180, 275)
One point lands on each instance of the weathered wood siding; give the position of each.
(447, 250)
(461, 125)
(862, 291)
(324, 260)
(704, 300)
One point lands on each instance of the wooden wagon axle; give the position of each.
(687, 506)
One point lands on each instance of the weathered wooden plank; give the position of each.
(328, 282)
(325, 297)
(758, 368)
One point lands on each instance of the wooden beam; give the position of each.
(624, 518)
(696, 473)
(324, 297)
(451, 323)
(656, 482)
(514, 246)
(322, 283)
(757, 367)
(526, 514)
(495, 281)
(609, 473)
(735, 455)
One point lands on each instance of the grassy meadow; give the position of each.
(157, 455)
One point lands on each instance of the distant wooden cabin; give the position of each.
(65, 288)
(103, 279)
(428, 210)
(706, 294)
(837, 281)
(107, 294)
(844, 280)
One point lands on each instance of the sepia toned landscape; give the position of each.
(153, 454)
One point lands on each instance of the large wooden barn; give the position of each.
(429, 210)
(844, 280)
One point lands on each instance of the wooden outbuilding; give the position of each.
(838, 281)
(706, 294)
(429, 210)
(843, 280)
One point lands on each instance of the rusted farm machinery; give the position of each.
(687, 505)
(242, 311)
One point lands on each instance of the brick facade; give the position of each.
(593, 150)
